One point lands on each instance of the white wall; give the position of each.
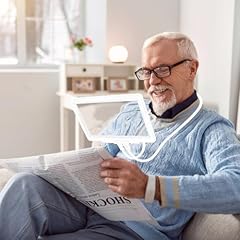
(128, 23)
(29, 107)
(210, 25)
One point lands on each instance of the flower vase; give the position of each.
(79, 56)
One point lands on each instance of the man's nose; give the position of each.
(154, 80)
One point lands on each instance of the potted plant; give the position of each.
(79, 45)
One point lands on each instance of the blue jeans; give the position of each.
(31, 208)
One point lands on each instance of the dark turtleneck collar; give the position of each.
(172, 112)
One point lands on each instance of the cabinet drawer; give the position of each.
(84, 70)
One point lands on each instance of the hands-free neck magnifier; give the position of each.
(124, 141)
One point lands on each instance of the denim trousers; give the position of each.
(31, 208)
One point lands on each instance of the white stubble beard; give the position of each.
(160, 107)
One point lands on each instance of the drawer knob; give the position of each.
(84, 70)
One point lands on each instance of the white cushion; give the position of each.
(213, 227)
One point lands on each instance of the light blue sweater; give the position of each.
(199, 168)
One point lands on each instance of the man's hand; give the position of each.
(124, 177)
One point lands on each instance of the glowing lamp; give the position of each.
(118, 54)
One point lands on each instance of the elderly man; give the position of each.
(198, 170)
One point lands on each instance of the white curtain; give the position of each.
(235, 81)
(62, 20)
(8, 29)
(238, 116)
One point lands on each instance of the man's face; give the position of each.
(168, 91)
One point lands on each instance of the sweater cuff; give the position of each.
(169, 188)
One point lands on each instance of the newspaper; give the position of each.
(77, 173)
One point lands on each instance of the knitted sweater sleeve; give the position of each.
(217, 191)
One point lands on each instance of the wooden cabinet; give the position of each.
(101, 74)
(84, 75)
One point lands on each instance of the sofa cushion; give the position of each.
(213, 227)
(5, 175)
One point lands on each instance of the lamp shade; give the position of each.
(118, 54)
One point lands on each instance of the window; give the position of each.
(38, 31)
(8, 40)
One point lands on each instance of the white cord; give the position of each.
(126, 149)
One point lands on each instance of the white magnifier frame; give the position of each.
(76, 102)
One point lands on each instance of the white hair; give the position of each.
(186, 48)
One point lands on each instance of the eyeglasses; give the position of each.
(160, 71)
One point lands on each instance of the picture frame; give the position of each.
(117, 84)
(83, 85)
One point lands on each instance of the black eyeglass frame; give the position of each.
(170, 67)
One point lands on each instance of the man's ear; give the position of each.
(193, 68)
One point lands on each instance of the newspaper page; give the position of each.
(77, 173)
